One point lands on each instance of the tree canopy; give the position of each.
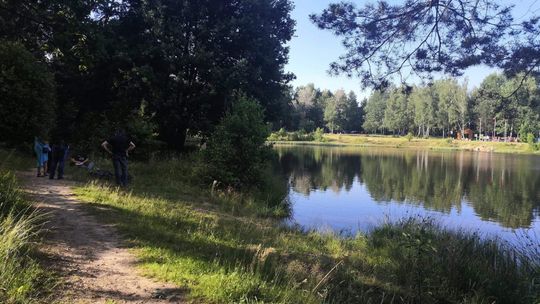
(173, 64)
(421, 37)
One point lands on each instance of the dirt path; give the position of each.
(93, 264)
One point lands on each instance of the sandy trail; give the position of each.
(90, 257)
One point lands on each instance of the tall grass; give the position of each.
(219, 247)
(13, 159)
(22, 280)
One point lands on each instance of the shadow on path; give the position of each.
(90, 256)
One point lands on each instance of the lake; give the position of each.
(347, 189)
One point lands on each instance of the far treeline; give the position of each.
(499, 107)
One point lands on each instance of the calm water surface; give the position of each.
(350, 188)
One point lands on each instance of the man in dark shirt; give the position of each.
(59, 154)
(119, 147)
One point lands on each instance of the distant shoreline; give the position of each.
(348, 140)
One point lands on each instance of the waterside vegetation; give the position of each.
(223, 250)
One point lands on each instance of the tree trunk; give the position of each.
(505, 128)
(512, 130)
(480, 134)
(494, 126)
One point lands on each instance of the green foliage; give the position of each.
(27, 95)
(21, 278)
(396, 115)
(184, 60)
(282, 133)
(338, 111)
(318, 135)
(300, 135)
(375, 108)
(383, 41)
(236, 152)
(249, 259)
(428, 262)
(143, 131)
(531, 141)
(500, 106)
(409, 136)
(312, 108)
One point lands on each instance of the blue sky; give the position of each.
(312, 50)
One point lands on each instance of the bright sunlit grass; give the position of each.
(223, 252)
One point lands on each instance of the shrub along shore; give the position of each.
(302, 138)
(232, 247)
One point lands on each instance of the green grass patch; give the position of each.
(225, 250)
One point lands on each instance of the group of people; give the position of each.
(51, 159)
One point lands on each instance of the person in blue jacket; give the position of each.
(46, 151)
(39, 145)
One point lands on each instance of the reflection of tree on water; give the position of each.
(319, 170)
(502, 188)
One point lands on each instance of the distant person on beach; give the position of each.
(59, 153)
(119, 147)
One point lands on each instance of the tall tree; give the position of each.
(424, 105)
(486, 100)
(374, 112)
(307, 106)
(27, 95)
(203, 51)
(353, 113)
(336, 111)
(396, 115)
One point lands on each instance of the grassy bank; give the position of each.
(217, 245)
(22, 280)
(419, 143)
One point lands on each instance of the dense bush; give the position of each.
(300, 135)
(318, 135)
(530, 141)
(27, 95)
(236, 152)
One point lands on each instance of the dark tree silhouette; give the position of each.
(425, 36)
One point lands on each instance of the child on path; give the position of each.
(46, 150)
(38, 150)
